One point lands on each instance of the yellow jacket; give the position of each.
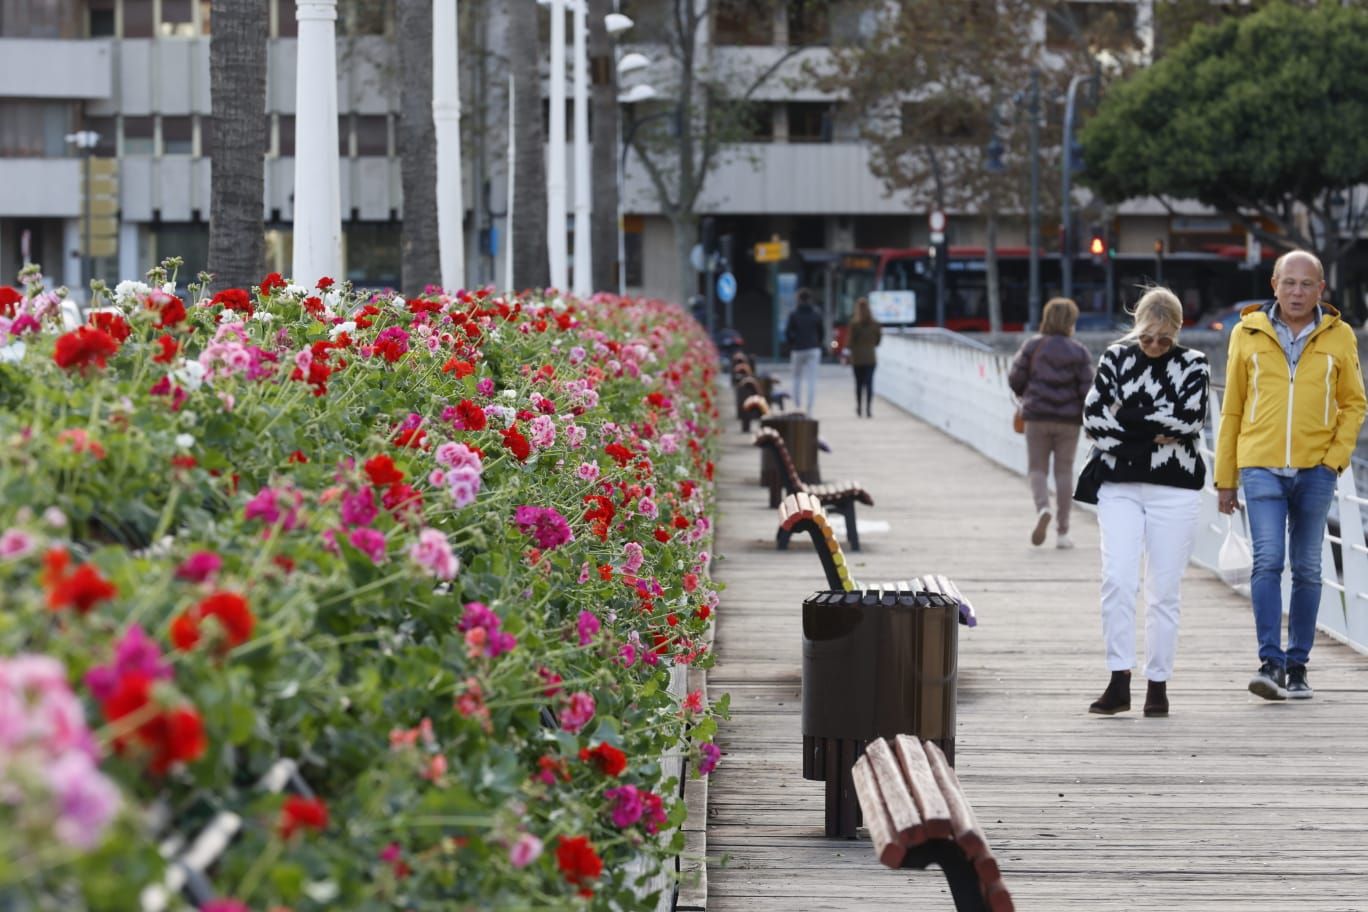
(1270, 419)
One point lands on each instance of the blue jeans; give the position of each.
(1287, 521)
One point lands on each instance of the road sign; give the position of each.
(936, 221)
(726, 288)
(771, 252)
(938, 237)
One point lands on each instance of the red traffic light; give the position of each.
(1097, 246)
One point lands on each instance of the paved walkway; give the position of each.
(1230, 803)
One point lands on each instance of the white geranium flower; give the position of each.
(263, 316)
(296, 291)
(340, 328)
(185, 441)
(14, 352)
(189, 374)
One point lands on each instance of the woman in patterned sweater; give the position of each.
(1145, 415)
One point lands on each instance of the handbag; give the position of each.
(1090, 479)
(1018, 417)
(1235, 560)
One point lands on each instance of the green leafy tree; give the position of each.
(1263, 117)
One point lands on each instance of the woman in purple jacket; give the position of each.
(1051, 375)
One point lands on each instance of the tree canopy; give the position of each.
(1264, 118)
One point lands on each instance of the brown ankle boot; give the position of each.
(1116, 698)
(1156, 699)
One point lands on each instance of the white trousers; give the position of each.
(1158, 522)
(805, 361)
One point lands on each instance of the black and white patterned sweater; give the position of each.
(1135, 398)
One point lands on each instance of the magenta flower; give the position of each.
(485, 387)
(369, 542)
(627, 805)
(634, 554)
(525, 850)
(358, 508)
(224, 905)
(578, 712)
(135, 652)
(14, 544)
(588, 626)
(199, 567)
(433, 553)
(709, 756)
(547, 527)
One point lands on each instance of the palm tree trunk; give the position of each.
(604, 107)
(237, 89)
(420, 263)
(530, 266)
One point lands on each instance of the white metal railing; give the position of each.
(962, 390)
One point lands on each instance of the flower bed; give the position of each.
(441, 552)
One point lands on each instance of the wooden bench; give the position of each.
(803, 512)
(917, 815)
(839, 496)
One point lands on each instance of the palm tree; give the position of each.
(604, 118)
(528, 218)
(237, 146)
(420, 263)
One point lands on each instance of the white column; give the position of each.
(584, 278)
(317, 195)
(446, 119)
(555, 169)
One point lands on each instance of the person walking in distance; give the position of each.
(1293, 405)
(804, 336)
(864, 335)
(1051, 375)
(1145, 414)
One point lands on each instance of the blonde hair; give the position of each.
(1157, 306)
(1059, 317)
(862, 314)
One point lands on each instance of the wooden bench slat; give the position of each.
(896, 799)
(966, 830)
(935, 813)
(882, 830)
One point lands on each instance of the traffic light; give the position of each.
(1097, 245)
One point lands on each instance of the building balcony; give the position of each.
(57, 69)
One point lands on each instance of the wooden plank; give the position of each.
(921, 781)
(897, 798)
(883, 832)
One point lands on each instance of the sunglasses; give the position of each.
(1158, 341)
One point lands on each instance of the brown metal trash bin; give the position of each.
(875, 664)
(800, 436)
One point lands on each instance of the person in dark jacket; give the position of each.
(803, 333)
(864, 335)
(1051, 375)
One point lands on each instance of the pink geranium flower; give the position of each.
(578, 712)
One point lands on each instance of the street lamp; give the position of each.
(1069, 163)
(635, 95)
(86, 141)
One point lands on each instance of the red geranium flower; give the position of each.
(300, 814)
(172, 310)
(578, 862)
(324, 284)
(84, 346)
(175, 735)
(235, 299)
(81, 589)
(471, 415)
(382, 471)
(233, 614)
(458, 367)
(169, 349)
(111, 323)
(9, 300)
(271, 283)
(608, 759)
(517, 444)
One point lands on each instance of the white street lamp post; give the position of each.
(317, 201)
(446, 121)
(555, 175)
(584, 278)
(637, 93)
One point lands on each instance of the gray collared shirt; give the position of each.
(1293, 344)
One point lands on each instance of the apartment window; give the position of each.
(187, 240)
(107, 128)
(139, 136)
(178, 135)
(287, 133)
(809, 22)
(755, 121)
(1090, 25)
(177, 19)
(372, 135)
(809, 121)
(344, 123)
(138, 19)
(287, 26)
(749, 23)
(373, 253)
(101, 23)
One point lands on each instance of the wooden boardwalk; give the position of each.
(1230, 803)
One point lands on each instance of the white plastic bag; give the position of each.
(1235, 560)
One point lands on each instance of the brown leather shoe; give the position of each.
(1116, 698)
(1156, 698)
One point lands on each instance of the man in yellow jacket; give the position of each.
(1293, 405)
